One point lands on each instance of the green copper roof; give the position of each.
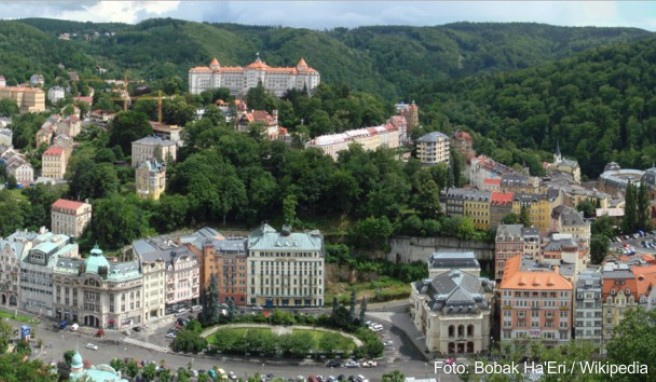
(95, 261)
(267, 238)
(76, 361)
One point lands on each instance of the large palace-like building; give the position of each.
(239, 79)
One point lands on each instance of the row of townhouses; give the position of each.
(44, 273)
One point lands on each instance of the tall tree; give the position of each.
(524, 216)
(211, 306)
(128, 126)
(393, 376)
(352, 305)
(598, 248)
(630, 220)
(643, 207)
(632, 342)
(335, 305)
(363, 310)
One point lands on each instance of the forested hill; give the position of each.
(600, 105)
(386, 60)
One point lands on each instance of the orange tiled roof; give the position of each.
(609, 283)
(66, 204)
(492, 181)
(214, 62)
(515, 278)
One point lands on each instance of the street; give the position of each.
(401, 356)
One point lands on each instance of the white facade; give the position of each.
(149, 148)
(370, 138)
(433, 148)
(588, 319)
(69, 217)
(239, 79)
(285, 268)
(56, 93)
(18, 166)
(182, 278)
(6, 137)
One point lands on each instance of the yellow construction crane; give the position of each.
(159, 99)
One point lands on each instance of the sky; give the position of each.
(349, 14)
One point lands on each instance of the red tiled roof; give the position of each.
(54, 151)
(501, 197)
(492, 181)
(66, 204)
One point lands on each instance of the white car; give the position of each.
(91, 346)
(75, 327)
(376, 327)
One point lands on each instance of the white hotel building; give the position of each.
(369, 137)
(239, 79)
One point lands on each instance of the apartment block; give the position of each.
(433, 148)
(153, 147)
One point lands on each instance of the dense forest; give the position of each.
(600, 105)
(388, 61)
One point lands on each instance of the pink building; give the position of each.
(536, 303)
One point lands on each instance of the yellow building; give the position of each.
(539, 208)
(53, 163)
(477, 207)
(150, 179)
(29, 100)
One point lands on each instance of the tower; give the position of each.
(557, 156)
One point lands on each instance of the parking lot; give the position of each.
(637, 243)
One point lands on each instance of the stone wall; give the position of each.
(406, 249)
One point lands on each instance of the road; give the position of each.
(402, 355)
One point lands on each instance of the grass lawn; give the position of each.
(19, 317)
(383, 289)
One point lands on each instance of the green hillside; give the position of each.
(600, 105)
(388, 60)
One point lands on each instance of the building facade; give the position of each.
(536, 303)
(277, 80)
(29, 100)
(153, 147)
(69, 217)
(182, 279)
(508, 243)
(588, 319)
(54, 162)
(96, 292)
(56, 93)
(452, 312)
(568, 220)
(150, 179)
(370, 138)
(18, 167)
(285, 268)
(433, 148)
(37, 268)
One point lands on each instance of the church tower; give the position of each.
(557, 156)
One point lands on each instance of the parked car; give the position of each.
(63, 324)
(334, 363)
(75, 327)
(376, 327)
(232, 376)
(388, 343)
(171, 335)
(137, 329)
(352, 363)
(91, 346)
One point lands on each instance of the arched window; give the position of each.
(452, 330)
(470, 330)
(461, 330)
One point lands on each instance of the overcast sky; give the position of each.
(331, 14)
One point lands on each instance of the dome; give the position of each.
(612, 166)
(76, 361)
(96, 261)
(649, 178)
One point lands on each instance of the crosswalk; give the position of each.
(146, 345)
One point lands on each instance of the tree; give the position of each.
(8, 107)
(352, 305)
(211, 307)
(128, 126)
(631, 342)
(525, 217)
(630, 221)
(587, 207)
(149, 371)
(598, 248)
(116, 221)
(466, 229)
(511, 218)
(393, 376)
(427, 200)
(335, 305)
(372, 233)
(289, 205)
(642, 218)
(363, 310)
